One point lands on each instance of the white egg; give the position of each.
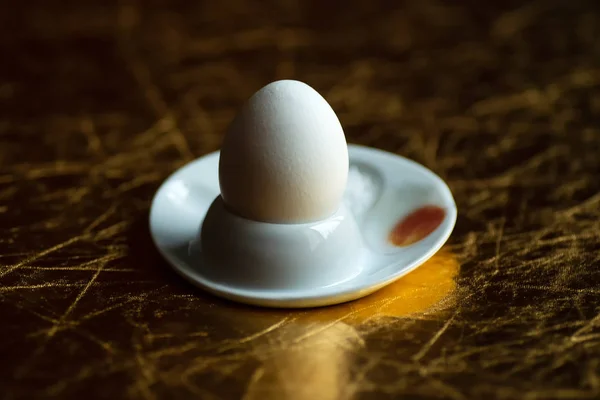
(284, 158)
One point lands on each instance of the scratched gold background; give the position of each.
(101, 101)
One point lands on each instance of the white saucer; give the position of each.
(382, 189)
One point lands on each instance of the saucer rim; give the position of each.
(322, 296)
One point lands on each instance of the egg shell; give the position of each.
(284, 157)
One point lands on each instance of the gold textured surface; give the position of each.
(101, 101)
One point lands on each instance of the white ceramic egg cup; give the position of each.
(382, 188)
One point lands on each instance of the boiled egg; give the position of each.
(284, 157)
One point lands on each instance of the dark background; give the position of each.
(101, 101)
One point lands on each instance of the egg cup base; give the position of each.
(253, 255)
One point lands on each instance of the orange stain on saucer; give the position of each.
(417, 225)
